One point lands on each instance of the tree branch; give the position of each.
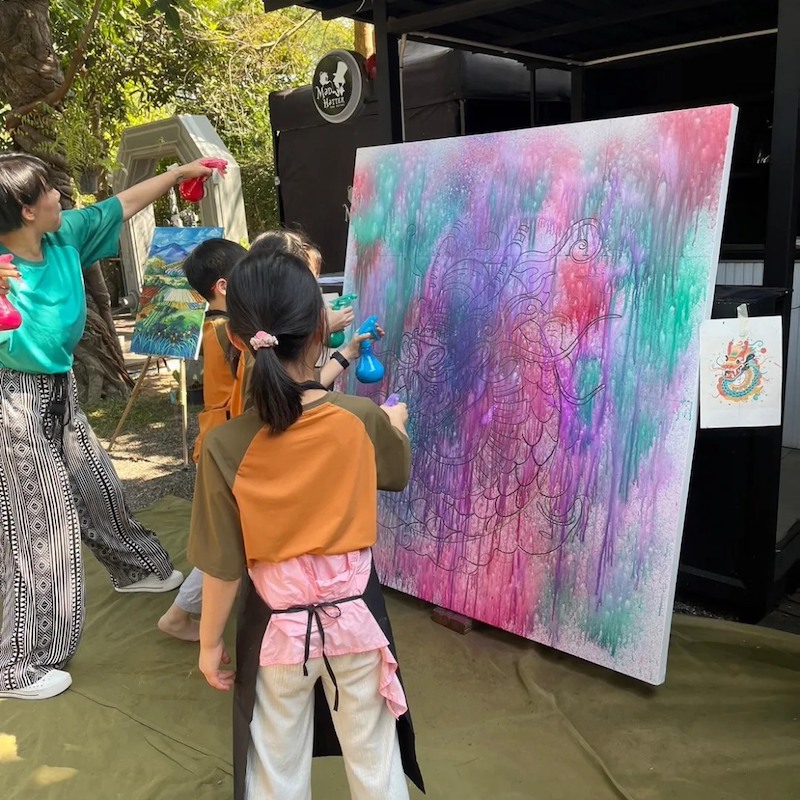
(287, 34)
(14, 117)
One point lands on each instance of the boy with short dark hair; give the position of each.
(207, 269)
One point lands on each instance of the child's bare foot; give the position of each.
(180, 624)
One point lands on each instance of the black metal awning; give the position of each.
(573, 33)
(582, 35)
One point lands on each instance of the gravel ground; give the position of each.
(148, 455)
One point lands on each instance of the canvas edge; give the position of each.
(376, 148)
(349, 263)
(701, 384)
(670, 595)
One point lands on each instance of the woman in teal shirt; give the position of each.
(57, 485)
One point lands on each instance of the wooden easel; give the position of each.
(182, 397)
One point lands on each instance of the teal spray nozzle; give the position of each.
(345, 301)
(369, 369)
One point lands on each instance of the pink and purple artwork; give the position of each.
(542, 292)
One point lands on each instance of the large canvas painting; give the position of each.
(169, 321)
(542, 293)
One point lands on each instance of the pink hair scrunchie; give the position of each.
(263, 339)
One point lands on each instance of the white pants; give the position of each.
(279, 762)
(190, 595)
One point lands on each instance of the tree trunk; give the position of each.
(99, 354)
(364, 38)
(30, 72)
(99, 365)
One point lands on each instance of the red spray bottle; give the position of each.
(10, 318)
(193, 190)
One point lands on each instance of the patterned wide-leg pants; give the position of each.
(57, 486)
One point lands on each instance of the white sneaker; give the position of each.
(53, 683)
(154, 584)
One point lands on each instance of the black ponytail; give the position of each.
(275, 395)
(275, 293)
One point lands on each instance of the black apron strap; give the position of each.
(253, 619)
(314, 611)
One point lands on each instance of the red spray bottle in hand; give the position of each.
(193, 190)
(10, 318)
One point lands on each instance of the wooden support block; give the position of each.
(456, 622)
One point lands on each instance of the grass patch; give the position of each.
(148, 410)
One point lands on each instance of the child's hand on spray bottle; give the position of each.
(396, 411)
(352, 349)
(339, 319)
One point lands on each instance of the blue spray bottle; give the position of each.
(369, 369)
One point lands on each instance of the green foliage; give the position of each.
(169, 8)
(258, 190)
(135, 62)
(256, 54)
(150, 59)
(5, 139)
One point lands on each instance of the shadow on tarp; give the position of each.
(497, 717)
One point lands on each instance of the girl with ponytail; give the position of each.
(316, 668)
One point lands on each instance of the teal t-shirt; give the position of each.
(51, 297)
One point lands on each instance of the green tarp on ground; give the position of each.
(497, 717)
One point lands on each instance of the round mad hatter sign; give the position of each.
(339, 86)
